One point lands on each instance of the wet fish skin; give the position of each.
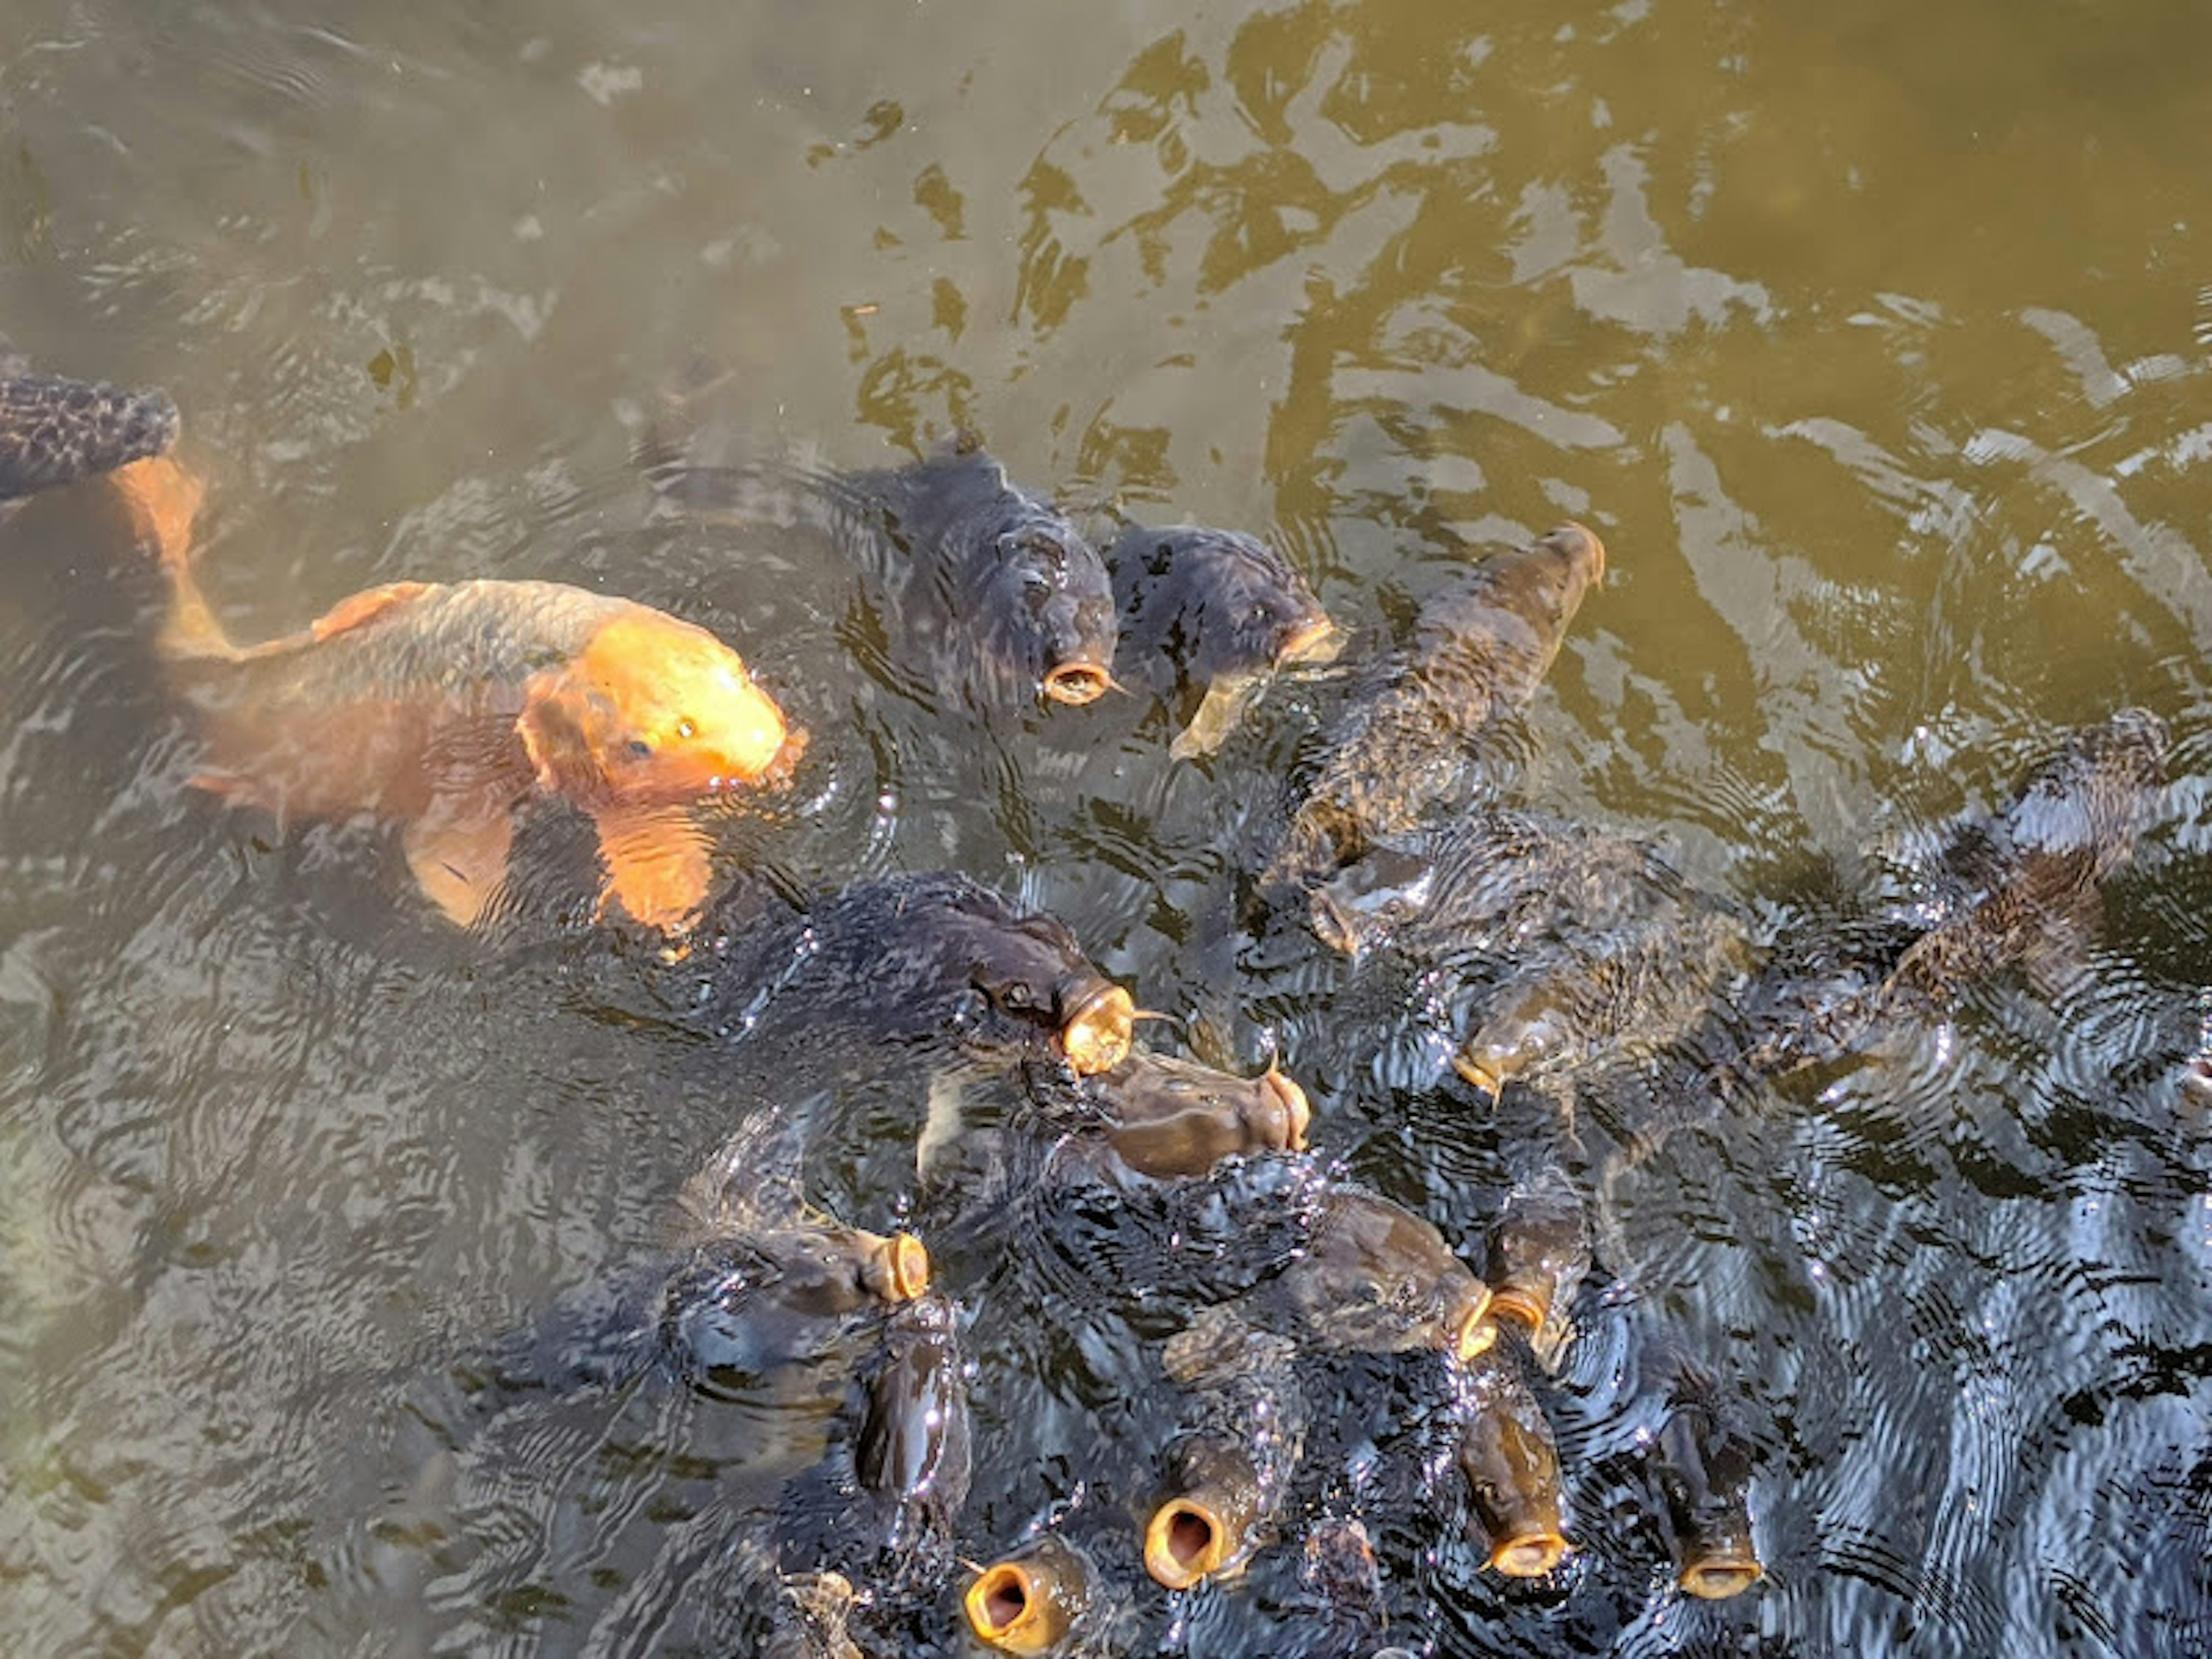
(1373, 1278)
(55, 431)
(933, 960)
(1401, 751)
(997, 596)
(1161, 1117)
(1211, 610)
(1511, 1467)
(1226, 1473)
(912, 1453)
(1540, 1253)
(1702, 1466)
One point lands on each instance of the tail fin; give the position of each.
(163, 499)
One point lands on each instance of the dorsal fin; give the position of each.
(357, 608)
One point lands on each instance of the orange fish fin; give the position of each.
(460, 862)
(658, 867)
(163, 499)
(358, 608)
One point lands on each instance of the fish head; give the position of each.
(1178, 1117)
(652, 711)
(1219, 602)
(1027, 1602)
(1023, 987)
(1545, 582)
(1511, 1467)
(1045, 595)
(1366, 902)
(1703, 1467)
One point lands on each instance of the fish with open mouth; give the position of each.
(992, 595)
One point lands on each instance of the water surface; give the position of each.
(1875, 345)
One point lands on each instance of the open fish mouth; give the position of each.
(1095, 1037)
(905, 1267)
(1720, 1574)
(1077, 682)
(1185, 1541)
(1310, 643)
(1529, 1554)
(1525, 1308)
(1007, 1609)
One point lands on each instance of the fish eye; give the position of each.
(686, 730)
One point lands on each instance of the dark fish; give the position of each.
(927, 961)
(55, 431)
(2073, 823)
(1211, 612)
(911, 1455)
(1539, 1251)
(1404, 749)
(994, 594)
(1511, 1467)
(1702, 1466)
(1373, 1278)
(1034, 1600)
(1227, 1471)
(1162, 1117)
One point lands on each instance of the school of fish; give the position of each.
(450, 710)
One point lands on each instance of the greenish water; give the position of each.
(1874, 341)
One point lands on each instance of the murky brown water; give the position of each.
(1876, 344)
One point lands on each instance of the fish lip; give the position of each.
(1722, 1574)
(1474, 1332)
(906, 1267)
(1003, 1578)
(1095, 1036)
(1479, 1076)
(1316, 642)
(1165, 1559)
(1529, 1554)
(1076, 684)
(1298, 1110)
(1525, 1306)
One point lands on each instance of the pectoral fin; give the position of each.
(657, 865)
(459, 862)
(1225, 704)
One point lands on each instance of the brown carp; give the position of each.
(1402, 751)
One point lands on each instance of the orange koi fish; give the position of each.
(445, 707)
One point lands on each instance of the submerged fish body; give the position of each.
(55, 431)
(996, 596)
(933, 962)
(444, 706)
(2073, 822)
(1404, 748)
(1160, 1116)
(1211, 612)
